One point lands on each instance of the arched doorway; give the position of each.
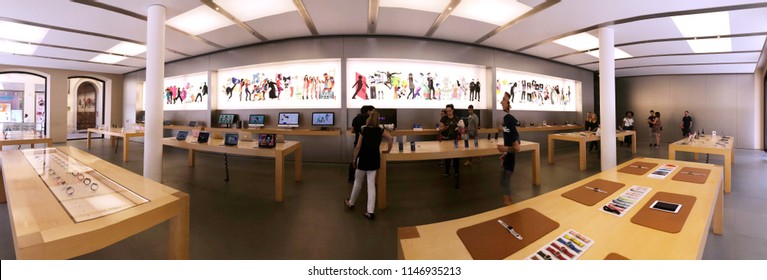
(23, 101)
(86, 106)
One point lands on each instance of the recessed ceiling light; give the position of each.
(579, 42)
(126, 48)
(700, 25)
(199, 20)
(247, 10)
(498, 12)
(17, 48)
(434, 6)
(22, 32)
(711, 45)
(108, 58)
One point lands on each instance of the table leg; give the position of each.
(178, 232)
(112, 140)
(582, 155)
(190, 158)
(551, 150)
(298, 162)
(695, 156)
(88, 141)
(279, 173)
(2, 189)
(31, 145)
(634, 144)
(381, 188)
(125, 149)
(728, 173)
(719, 213)
(537, 166)
(671, 152)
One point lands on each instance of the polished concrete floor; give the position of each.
(239, 219)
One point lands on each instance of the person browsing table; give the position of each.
(367, 161)
(509, 148)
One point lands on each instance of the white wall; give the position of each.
(716, 102)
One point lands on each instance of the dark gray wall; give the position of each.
(338, 149)
(716, 102)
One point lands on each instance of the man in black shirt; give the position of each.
(511, 145)
(448, 127)
(650, 120)
(357, 124)
(686, 124)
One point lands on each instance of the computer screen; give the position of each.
(226, 119)
(388, 116)
(288, 119)
(322, 118)
(257, 120)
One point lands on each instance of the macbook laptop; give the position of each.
(246, 137)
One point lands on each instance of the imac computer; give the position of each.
(256, 120)
(324, 120)
(287, 120)
(226, 120)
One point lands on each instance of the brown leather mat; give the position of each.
(589, 197)
(491, 241)
(692, 175)
(638, 168)
(664, 221)
(615, 257)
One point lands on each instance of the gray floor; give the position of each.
(241, 220)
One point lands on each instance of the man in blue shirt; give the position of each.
(511, 145)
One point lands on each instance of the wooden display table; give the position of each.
(430, 150)
(426, 131)
(611, 234)
(708, 145)
(550, 128)
(42, 229)
(584, 137)
(117, 132)
(247, 149)
(25, 140)
(280, 131)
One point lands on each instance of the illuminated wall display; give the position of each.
(284, 85)
(187, 92)
(401, 83)
(534, 92)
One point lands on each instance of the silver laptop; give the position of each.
(246, 137)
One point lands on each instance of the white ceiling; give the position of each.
(83, 29)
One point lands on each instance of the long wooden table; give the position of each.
(427, 131)
(42, 229)
(708, 145)
(116, 132)
(247, 149)
(550, 128)
(430, 150)
(584, 137)
(26, 140)
(281, 131)
(611, 234)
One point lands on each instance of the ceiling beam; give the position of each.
(305, 15)
(762, 62)
(234, 19)
(373, 6)
(535, 10)
(682, 64)
(646, 17)
(442, 17)
(125, 12)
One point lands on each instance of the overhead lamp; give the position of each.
(126, 48)
(706, 25)
(22, 32)
(108, 58)
(247, 10)
(710, 45)
(497, 12)
(17, 48)
(579, 42)
(617, 53)
(199, 20)
(434, 6)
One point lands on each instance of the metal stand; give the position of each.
(226, 167)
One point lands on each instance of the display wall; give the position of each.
(723, 103)
(536, 92)
(186, 92)
(338, 149)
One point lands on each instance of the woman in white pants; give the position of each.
(367, 161)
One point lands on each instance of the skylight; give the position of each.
(246, 10)
(199, 20)
(498, 12)
(704, 25)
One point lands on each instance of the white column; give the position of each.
(155, 71)
(607, 97)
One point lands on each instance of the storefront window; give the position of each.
(22, 102)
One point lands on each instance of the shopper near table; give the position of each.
(686, 124)
(511, 145)
(472, 128)
(592, 125)
(367, 160)
(357, 124)
(650, 121)
(448, 128)
(628, 124)
(657, 127)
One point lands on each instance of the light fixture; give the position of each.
(16, 48)
(497, 12)
(126, 48)
(589, 43)
(199, 20)
(703, 25)
(22, 32)
(108, 58)
(434, 6)
(247, 10)
(617, 53)
(710, 45)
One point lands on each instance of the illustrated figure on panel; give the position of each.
(360, 87)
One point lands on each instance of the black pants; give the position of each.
(456, 165)
(686, 132)
(627, 139)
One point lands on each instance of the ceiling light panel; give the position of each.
(498, 12)
(579, 42)
(16, 48)
(22, 32)
(699, 25)
(618, 53)
(108, 58)
(434, 6)
(199, 20)
(710, 45)
(126, 48)
(246, 10)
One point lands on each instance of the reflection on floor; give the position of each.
(241, 220)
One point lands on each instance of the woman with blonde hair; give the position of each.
(367, 161)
